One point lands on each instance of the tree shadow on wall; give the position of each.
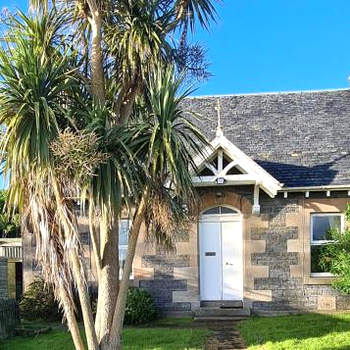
(304, 331)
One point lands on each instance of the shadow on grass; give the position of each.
(307, 331)
(163, 334)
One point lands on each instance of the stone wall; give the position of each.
(3, 278)
(276, 257)
(173, 277)
(9, 317)
(276, 253)
(287, 254)
(276, 272)
(170, 276)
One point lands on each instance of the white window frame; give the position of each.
(323, 242)
(124, 246)
(235, 211)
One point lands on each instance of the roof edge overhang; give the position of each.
(255, 174)
(316, 188)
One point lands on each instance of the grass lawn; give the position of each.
(156, 336)
(310, 331)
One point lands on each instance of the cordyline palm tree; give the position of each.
(166, 145)
(73, 106)
(32, 99)
(131, 37)
(122, 43)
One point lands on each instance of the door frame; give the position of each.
(218, 218)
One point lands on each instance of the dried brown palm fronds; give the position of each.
(51, 246)
(51, 218)
(167, 219)
(76, 155)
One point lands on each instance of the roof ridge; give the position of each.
(268, 93)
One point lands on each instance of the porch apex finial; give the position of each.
(219, 132)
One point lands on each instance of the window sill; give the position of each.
(321, 275)
(131, 278)
(319, 278)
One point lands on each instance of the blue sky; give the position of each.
(274, 45)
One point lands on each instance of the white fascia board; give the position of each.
(240, 178)
(207, 181)
(232, 179)
(203, 179)
(243, 160)
(272, 192)
(256, 174)
(317, 188)
(226, 183)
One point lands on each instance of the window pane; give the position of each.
(322, 224)
(234, 171)
(123, 232)
(225, 210)
(206, 172)
(226, 161)
(212, 211)
(316, 254)
(122, 257)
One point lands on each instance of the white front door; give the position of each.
(221, 263)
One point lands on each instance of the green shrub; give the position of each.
(140, 307)
(38, 302)
(9, 222)
(336, 257)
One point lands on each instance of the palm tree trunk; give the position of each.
(109, 277)
(127, 98)
(115, 341)
(85, 303)
(71, 319)
(94, 239)
(97, 73)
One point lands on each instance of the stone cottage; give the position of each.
(274, 181)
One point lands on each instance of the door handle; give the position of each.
(227, 263)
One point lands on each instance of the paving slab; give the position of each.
(225, 336)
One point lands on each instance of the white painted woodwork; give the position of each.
(253, 173)
(256, 205)
(232, 261)
(210, 247)
(221, 260)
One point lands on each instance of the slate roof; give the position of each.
(300, 138)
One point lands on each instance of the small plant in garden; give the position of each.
(38, 302)
(336, 256)
(140, 307)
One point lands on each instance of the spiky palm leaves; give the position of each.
(165, 143)
(169, 141)
(129, 39)
(63, 143)
(187, 11)
(35, 97)
(137, 39)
